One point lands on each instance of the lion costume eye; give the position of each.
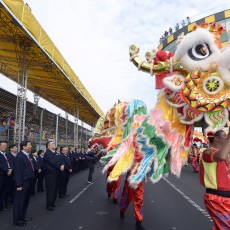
(199, 52)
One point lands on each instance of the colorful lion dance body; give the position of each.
(194, 86)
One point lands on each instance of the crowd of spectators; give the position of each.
(32, 130)
(177, 27)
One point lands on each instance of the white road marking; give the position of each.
(189, 200)
(79, 194)
(101, 213)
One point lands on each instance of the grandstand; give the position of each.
(35, 131)
(30, 58)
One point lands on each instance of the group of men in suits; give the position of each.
(6, 175)
(21, 171)
(78, 159)
(17, 174)
(57, 172)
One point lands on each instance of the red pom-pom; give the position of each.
(210, 133)
(161, 55)
(156, 60)
(196, 139)
(170, 54)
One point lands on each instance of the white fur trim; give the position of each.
(192, 39)
(167, 82)
(224, 67)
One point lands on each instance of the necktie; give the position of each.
(30, 161)
(8, 164)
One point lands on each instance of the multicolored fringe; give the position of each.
(125, 121)
(154, 149)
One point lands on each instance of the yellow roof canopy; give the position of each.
(49, 75)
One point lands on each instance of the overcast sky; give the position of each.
(94, 37)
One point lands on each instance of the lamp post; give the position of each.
(56, 135)
(41, 128)
(66, 128)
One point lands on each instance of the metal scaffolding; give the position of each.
(21, 48)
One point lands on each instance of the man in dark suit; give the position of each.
(37, 169)
(11, 155)
(41, 175)
(53, 166)
(91, 158)
(23, 177)
(77, 156)
(84, 159)
(64, 180)
(72, 158)
(5, 172)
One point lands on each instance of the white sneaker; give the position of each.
(89, 182)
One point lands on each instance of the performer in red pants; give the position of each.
(136, 195)
(195, 158)
(113, 187)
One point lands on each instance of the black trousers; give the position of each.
(75, 166)
(91, 169)
(41, 177)
(3, 189)
(64, 180)
(78, 166)
(21, 201)
(34, 182)
(52, 184)
(85, 164)
(10, 191)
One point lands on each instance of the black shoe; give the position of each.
(66, 195)
(55, 205)
(50, 208)
(109, 195)
(115, 201)
(20, 223)
(122, 215)
(3, 209)
(28, 219)
(62, 196)
(139, 226)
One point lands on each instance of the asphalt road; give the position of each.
(171, 203)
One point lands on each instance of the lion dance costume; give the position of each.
(194, 85)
